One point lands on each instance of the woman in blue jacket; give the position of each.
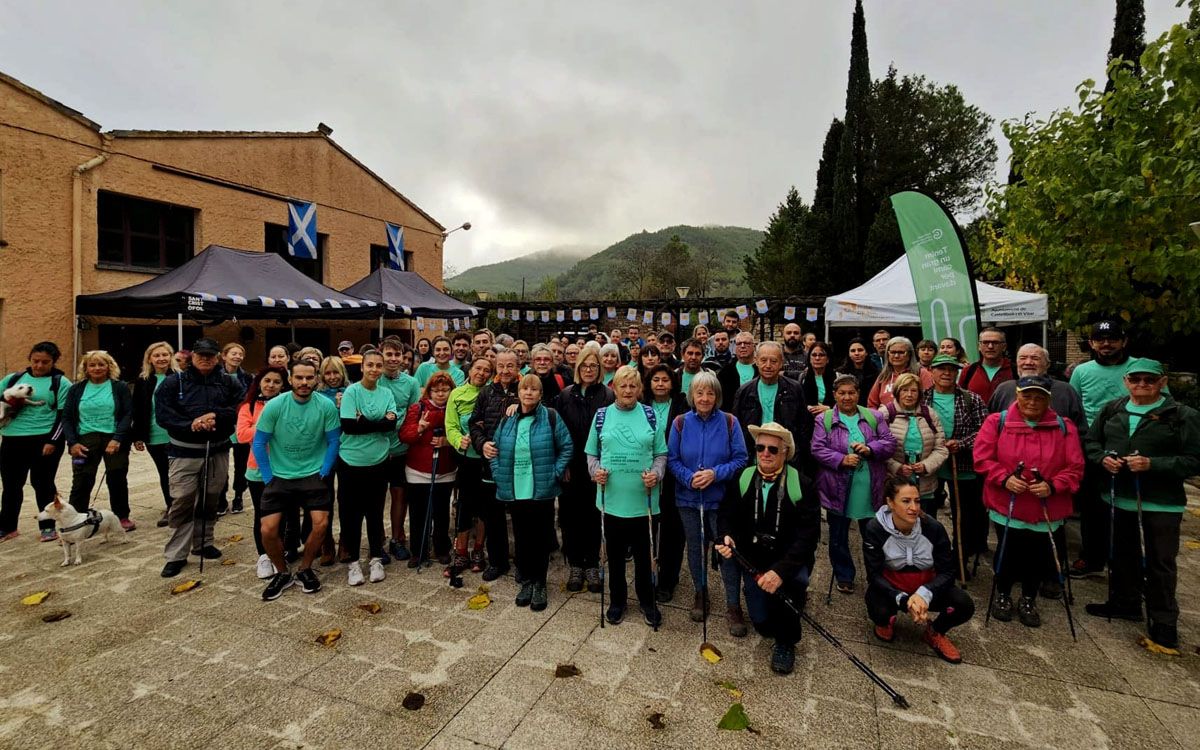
(532, 449)
(705, 449)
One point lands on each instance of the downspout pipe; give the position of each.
(77, 238)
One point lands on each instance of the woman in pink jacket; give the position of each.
(1031, 462)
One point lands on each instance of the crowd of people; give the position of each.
(721, 454)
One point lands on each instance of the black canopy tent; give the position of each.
(408, 294)
(221, 282)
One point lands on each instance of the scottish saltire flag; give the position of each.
(302, 230)
(395, 236)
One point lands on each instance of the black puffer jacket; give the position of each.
(578, 406)
(791, 411)
(143, 396)
(490, 406)
(187, 395)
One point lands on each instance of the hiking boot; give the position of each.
(615, 614)
(845, 587)
(7, 535)
(478, 563)
(1002, 608)
(1081, 569)
(736, 621)
(525, 595)
(222, 507)
(265, 568)
(128, 524)
(698, 608)
(664, 595)
(458, 563)
(783, 658)
(492, 573)
(208, 553)
(309, 583)
(238, 505)
(162, 521)
(941, 645)
(652, 615)
(49, 535)
(1027, 612)
(354, 574)
(887, 633)
(1114, 611)
(539, 600)
(280, 582)
(172, 568)
(375, 570)
(592, 577)
(398, 550)
(1164, 635)
(575, 579)
(1051, 590)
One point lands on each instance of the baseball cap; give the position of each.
(346, 345)
(945, 359)
(206, 345)
(1146, 365)
(1035, 383)
(1108, 329)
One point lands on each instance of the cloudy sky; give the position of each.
(548, 123)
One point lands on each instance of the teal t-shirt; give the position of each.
(1016, 523)
(914, 445)
(858, 505)
(523, 461)
(97, 411)
(662, 411)
(158, 436)
(820, 389)
(405, 392)
(297, 445)
(372, 448)
(943, 406)
(627, 447)
(766, 492)
(1130, 503)
(608, 376)
(745, 372)
(766, 397)
(991, 370)
(36, 419)
(426, 370)
(685, 379)
(1098, 384)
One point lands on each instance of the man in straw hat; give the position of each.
(771, 515)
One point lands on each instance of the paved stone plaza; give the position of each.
(136, 667)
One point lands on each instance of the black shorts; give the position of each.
(310, 493)
(393, 468)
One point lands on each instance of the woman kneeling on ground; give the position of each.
(771, 515)
(910, 568)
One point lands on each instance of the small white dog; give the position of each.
(13, 400)
(75, 527)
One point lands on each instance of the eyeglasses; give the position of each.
(772, 449)
(898, 353)
(814, 355)
(991, 343)
(1142, 379)
(590, 366)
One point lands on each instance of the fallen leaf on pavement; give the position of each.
(730, 688)
(371, 608)
(185, 587)
(567, 670)
(1154, 648)
(413, 701)
(227, 561)
(735, 718)
(1192, 544)
(711, 653)
(35, 599)
(480, 600)
(329, 637)
(235, 538)
(56, 616)
(656, 720)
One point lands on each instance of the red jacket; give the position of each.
(420, 452)
(975, 379)
(1052, 447)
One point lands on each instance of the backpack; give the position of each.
(56, 377)
(651, 417)
(891, 413)
(1004, 418)
(863, 413)
(792, 479)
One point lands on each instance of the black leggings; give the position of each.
(533, 537)
(495, 526)
(954, 604)
(622, 534)
(116, 474)
(669, 527)
(158, 453)
(471, 494)
(1027, 558)
(418, 501)
(362, 495)
(580, 521)
(20, 458)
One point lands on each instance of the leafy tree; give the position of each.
(1129, 36)
(636, 270)
(1100, 220)
(674, 262)
(853, 209)
(776, 268)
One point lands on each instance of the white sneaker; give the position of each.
(265, 568)
(377, 573)
(354, 575)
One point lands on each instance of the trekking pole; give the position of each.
(603, 554)
(1112, 523)
(1057, 564)
(957, 509)
(704, 583)
(653, 558)
(1012, 500)
(426, 526)
(896, 697)
(456, 580)
(1137, 490)
(199, 507)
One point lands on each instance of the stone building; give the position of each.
(84, 210)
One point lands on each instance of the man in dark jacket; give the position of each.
(490, 406)
(770, 397)
(772, 517)
(1147, 444)
(795, 354)
(198, 409)
(720, 355)
(740, 370)
(1064, 400)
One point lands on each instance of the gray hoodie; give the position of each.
(912, 550)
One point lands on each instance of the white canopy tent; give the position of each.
(890, 299)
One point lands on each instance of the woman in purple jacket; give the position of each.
(851, 450)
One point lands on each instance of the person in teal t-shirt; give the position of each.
(96, 423)
(627, 457)
(31, 446)
(148, 434)
(442, 353)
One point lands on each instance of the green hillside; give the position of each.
(506, 276)
(716, 261)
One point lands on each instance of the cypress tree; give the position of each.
(1129, 36)
(852, 209)
(827, 168)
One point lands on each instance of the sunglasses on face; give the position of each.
(772, 449)
(1142, 379)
